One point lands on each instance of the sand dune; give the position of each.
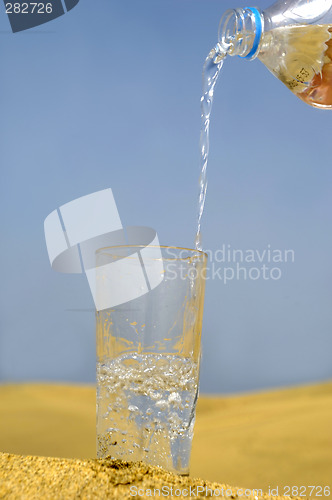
(277, 438)
(273, 439)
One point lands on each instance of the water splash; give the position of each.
(211, 69)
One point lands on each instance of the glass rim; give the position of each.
(192, 250)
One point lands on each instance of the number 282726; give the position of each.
(28, 8)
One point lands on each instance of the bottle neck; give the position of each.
(240, 32)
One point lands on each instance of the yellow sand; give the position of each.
(42, 478)
(277, 438)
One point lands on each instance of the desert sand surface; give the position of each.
(44, 478)
(275, 439)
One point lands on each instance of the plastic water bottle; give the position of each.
(293, 38)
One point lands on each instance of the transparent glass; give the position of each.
(148, 357)
(293, 38)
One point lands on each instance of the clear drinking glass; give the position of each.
(148, 357)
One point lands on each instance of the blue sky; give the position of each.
(108, 96)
